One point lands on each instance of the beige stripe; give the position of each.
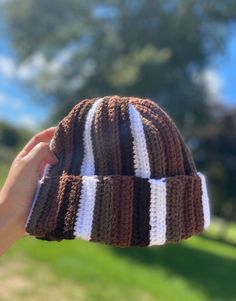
(158, 212)
(84, 219)
(205, 201)
(88, 166)
(141, 159)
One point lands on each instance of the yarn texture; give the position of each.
(124, 178)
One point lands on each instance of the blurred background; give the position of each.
(178, 53)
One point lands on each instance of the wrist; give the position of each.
(9, 221)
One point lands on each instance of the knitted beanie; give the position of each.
(124, 178)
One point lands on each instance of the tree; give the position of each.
(9, 136)
(146, 48)
(216, 153)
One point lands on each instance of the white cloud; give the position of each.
(38, 64)
(30, 68)
(17, 109)
(213, 82)
(10, 102)
(26, 70)
(7, 66)
(2, 99)
(34, 65)
(27, 120)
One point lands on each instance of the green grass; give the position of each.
(198, 269)
(4, 167)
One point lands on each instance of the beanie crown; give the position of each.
(125, 177)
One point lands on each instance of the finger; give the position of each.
(44, 136)
(40, 153)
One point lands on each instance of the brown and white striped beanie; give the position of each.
(124, 178)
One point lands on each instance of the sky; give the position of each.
(225, 67)
(18, 108)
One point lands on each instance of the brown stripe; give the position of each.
(66, 139)
(112, 219)
(64, 153)
(45, 222)
(167, 142)
(47, 218)
(49, 187)
(121, 218)
(52, 215)
(59, 148)
(174, 132)
(78, 145)
(98, 211)
(175, 193)
(58, 232)
(198, 207)
(141, 216)
(189, 199)
(39, 206)
(106, 207)
(103, 142)
(126, 139)
(189, 165)
(55, 232)
(168, 133)
(183, 216)
(73, 204)
(156, 154)
(114, 140)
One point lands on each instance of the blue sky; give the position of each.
(225, 65)
(18, 107)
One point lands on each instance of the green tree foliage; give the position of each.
(216, 153)
(12, 140)
(9, 136)
(146, 48)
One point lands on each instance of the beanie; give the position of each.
(124, 178)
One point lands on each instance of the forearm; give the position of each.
(8, 237)
(10, 231)
(17, 193)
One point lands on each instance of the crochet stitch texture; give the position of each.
(125, 178)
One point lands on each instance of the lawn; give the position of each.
(198, 269)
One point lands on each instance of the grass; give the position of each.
(198, 269)
(4, 167)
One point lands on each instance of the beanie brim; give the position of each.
(119, 210)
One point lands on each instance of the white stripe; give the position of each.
(84, 219)
(40, 182)
(158, 212)
(88, 167)
(141, 160)
(205, 201)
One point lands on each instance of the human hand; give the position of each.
(18, 191)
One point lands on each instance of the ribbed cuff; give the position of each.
(120, 210)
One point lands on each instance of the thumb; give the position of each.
(40, 153)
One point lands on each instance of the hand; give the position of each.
(18, 191)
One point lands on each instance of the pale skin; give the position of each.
(19, 188)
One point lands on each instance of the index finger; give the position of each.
(44, 136)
